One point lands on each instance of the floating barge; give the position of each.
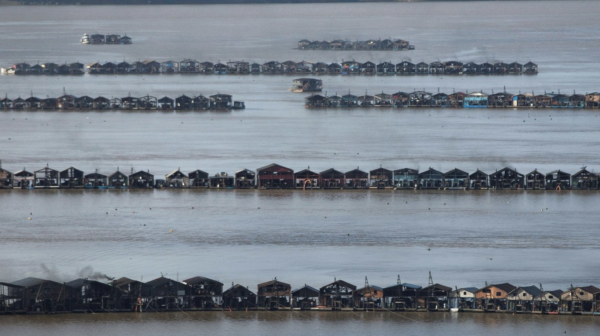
(194, 67)
(307, 85)
(275, 176)
(105, 39)
(199, 293)
(424, 99)
(66, 102)
(368, 45)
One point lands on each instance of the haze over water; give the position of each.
(247, 236)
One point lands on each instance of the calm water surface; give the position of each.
(464, 238)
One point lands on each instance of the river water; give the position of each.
(247, 236)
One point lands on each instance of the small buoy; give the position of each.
(28, 218)
(150, 208)
(171, 231)
(429, 209)
(107, 213)
(259, 207)
(192, 207)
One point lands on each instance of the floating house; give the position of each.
(453, 67)
(245, 179)
(169, 67)
(274, 294)
(479, 180)
(71, 178)
(356, 179)
(431, 179)
(274, 176)
(305, 298)
(189, 66)
(222, 180)
(43, 296)
(135, 295)
(366, 100)
(401, 296)
(316, 101)
(6, 178)
(176, 179)
(46, 178)
(368, 297)
(199, 179)
(419, 99)
(118, 180)
(183, 102)
(558, 180)
(471, 68)
(582, 180)
(581, 299)
(206, 293)
(535, 180)
(463, 298)
(307, 178)
(500, 99)
(23, 179)
(332, 179)
(434, 297)
(401, 99)
(521, 299)
(476, 100)
(384, 100)
(337, 295)
(592, 100)
(456, 179)
(166, 103)
(84, 103)
(548, 301)
(168, 294)
(440, 99)
(93, 296)
(493, 297)
(95, 180)
(386, 69)
(406, 178)
(406, 68)
(381, 178)
(220, 102)
(506, 178)
(530, 68)
(307, 85)
(238, 298)
(422, 68)
(13, 299)
(141, 180)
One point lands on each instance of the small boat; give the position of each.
(85, 39)
(238, 105)
(454, 310)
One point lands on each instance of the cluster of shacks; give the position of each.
(379, 44)
(275, 176)
(191, 66)
(456, 100)
(33, 295)
(217, 102)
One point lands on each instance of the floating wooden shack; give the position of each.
(592, 100)
(169, 67)
(46, 178)
(305, 298)
(245, 179)
(493, 297)
(332, 179)
(384, 100)
(558, 180)
(141, 180)
(199, 179)
(165, 103)
(316, 101)
(500, 99)
(274, 294)
(238, 297)
(274, 176)
(307, 85)
(548, 301)
(93, 296)
(307, 179)
(431, 179)
(183, 102)
(356, 179)
(386, 69)
(95, 180)
(419, 99)
(583, 180)
(406, 68)
(118, 180)
(381, 178)
(43, 296)
(206, 293)
(506, 178)
(168, 294)
(189, 66)
(456, 179)
(71, 178)
(349, 100)
(479, 180)
(6, 178)
(176, 179)
(530, 68)
(521, 299)
(337, 295)
(13, 299)
(406, 178)
(401, 99)
(366, 100)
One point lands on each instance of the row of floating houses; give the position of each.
(39, 296)
(217, 102)
(440, 99)
(275, 176)
(190, 66)
(379, 44)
